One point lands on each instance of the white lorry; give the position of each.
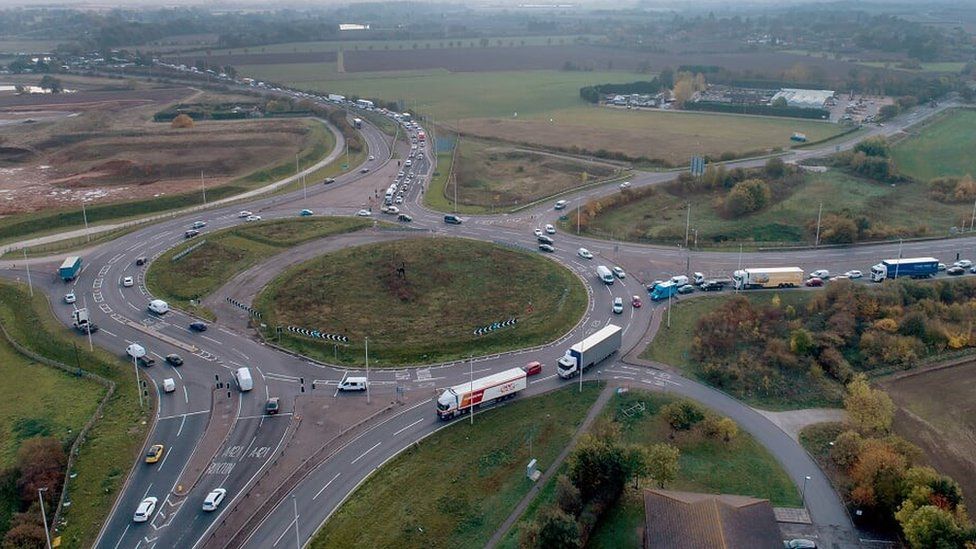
(604, 274)
(771, 277)
(464, 397)
(589, 351)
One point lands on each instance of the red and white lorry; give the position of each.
(496, 387)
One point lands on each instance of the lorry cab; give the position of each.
(664, 291)
(353, 384)
(244, 381)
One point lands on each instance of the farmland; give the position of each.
(494, 175)
(660, 218)
(940, 148)
(439, 289)
(943, 427)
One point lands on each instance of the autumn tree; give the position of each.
(878, 475)
(25, 530)
(682, 415)
(568, 496)
(662, 463)
(182, 121)
(722, 428)
(41, 462)
(869, 410)
(747, 196)
(553, 529)
(929, 527)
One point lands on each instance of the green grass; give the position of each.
(383, 45)
(117, 436)
(16, 227)
(741, 467)
(230, 251)
(37, 400)
(903, 209)
(422, 499)
(940, 148)
(450, 288)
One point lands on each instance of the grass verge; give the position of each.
(117, 436)
(448, 287)
(227, 252)
(422, 499)
(942, 147)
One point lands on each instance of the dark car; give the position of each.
(198, 326)
(955, 271)
(191, 233)
(543, 239)
(814, 282)
(174, 359)
(86, 328)
(452, 220)
(145, 361)
(686, 289)
(546, 248)
(405, 218)
(713, 286)
(271, 408)
(328, 181)
(140, 261)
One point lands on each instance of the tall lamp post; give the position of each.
(47, 534)
(803, 491)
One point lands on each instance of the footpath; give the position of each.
(591, 416)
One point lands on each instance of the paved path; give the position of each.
(793, 421)
(595, 410)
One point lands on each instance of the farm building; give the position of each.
(804, 99)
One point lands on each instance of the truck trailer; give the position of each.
(771, 277)
(664, 290)
(70, 269)
(494, 388)
(590, 351)
(915, 267)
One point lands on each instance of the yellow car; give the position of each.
(155, 453)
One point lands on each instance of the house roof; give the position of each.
(683, 520)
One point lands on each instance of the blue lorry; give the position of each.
(70, 269)
(915, 267)
(664, 290)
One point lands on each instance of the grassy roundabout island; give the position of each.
(421, 300)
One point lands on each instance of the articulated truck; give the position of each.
(70, 269)
(915, 267)
(590, 351)
(494, 388)
(772, 277)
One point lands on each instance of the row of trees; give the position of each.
(884, 478)
(40, 464)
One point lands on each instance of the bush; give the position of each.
(682, 415)
(747, 197)
(182, 121)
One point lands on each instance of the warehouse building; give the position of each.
(805, 99)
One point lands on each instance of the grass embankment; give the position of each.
(458, 485)
(741, 466)
(230, 251)
(498, 175)
(448, 288)
(661, 217)
(942, 147)
(117, 436)
(37, 400)
(16, 227)
(70, 244)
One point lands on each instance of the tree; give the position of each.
(779, 103)
(887, 112)
(182, 121)
(869, 410)
(801, 342)
(722, 428)
(775, 167)
(568, 496)
(929, 527)
(598, 468)
(662, 463)
(747, 196)
(847, 448)
(51, 83)
(873, 146)
(25, 532)
(556, 529)
(682, 415)
(878, 476)
(41, 462)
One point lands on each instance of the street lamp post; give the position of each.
(803, 491)
(135, 368)
(298, 540)
(47, 534)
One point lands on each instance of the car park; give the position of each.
(814, 282)
(819, 273)
(70, 298)
(244, 213)
(584, 253)
(213, 499)
(547, 248)
(964, 263)
(198, 326)
(955, 271)
(619, 272)
(272, 406)
(305, 213)
(618, 305)
(364, 213)
(253, 218)
(686, 289)
(155, 453)
(636, 302)
(127, 282)
(145, 509)
(550, 229)
(533, 368)
(174, 359)
(854, 274)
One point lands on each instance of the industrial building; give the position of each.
(805, 99)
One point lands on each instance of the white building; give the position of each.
(804, 99)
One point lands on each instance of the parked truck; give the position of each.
(358, 123)
(664, 290)
(590, 351)
(70, 269)
(771, 277)
(605, 274)
(915, 267)
(494, 388)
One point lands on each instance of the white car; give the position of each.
(253, 218)
(584, 253)
(364, 213)
(822, 274)
(393, 210)
(550, 229)
(619, 272)
(618, 305)
(625, 185)
(399, 200)
(213, 499)
(244, 213)
(964, 263)
(70, 298)
(853, 274)
(127, 282)
(371, 157)
(145, 510)
(538, 232)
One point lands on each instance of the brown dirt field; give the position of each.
(936, 411)
(103, 147)
(554, 57)
(258, 58)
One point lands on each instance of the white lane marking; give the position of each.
(147, 491)
(212, 340)
(317, 494)
(186, 395)
(165, 457)
(174, 416)
(286, 530)
(109, 333)
(242, 354)
(122, 536)
(180, 430)
(542, 379)
(405, 428)
(361, 456)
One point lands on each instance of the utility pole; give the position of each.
(84, 214)
(471, 386)
(897, 265)
(687, 224)
(135, 368)
(579, 365)
(203, 185)
(669, 310)
(84, 300)
(367, 370)
(578, 201)
(26, 264)
(298, 539)
(47, 534)
(738, 269)
(816, 244)
(972, 224)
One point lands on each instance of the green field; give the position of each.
(935, 66)
(421, 499)
(940, 148)
(741, 467)
(905, 209)
(117, 436)
(354, 45)
(37, 400)
(233, 250)
(449, 287)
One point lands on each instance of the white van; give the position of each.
(679, 280)
(169, 385)
(244, 381)
(135, 350)
(159, 306)
(353, 384)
